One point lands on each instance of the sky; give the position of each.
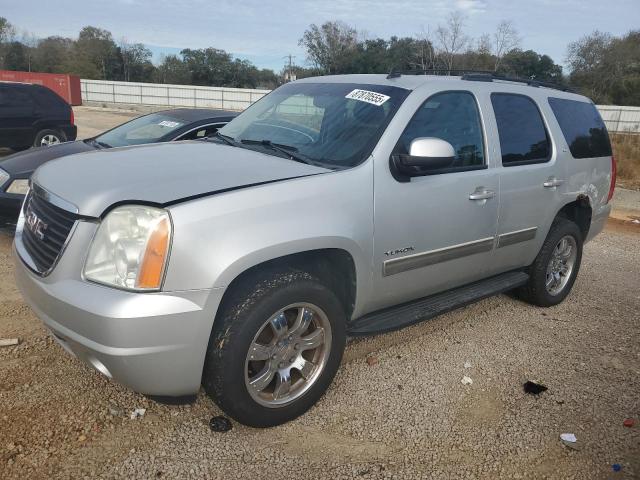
(265, 31)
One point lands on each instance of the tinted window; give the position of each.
(146, 129)
(48, 99)
(450, 116)
(13, 97)
(582, 127)
(523, 137)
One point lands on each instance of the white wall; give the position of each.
(617, 119)
(168, 95)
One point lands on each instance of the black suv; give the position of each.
(33, 115)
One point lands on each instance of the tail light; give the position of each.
(72, 119)
(614, 174)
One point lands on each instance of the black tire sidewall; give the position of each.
(538, 289)
(39, 136)
(224, 372)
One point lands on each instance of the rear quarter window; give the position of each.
(582, 127)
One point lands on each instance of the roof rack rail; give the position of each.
(434, 71)
(479, 76)
(491, 76)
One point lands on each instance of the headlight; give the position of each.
(20, 187)
(130, 248)
(4, 176)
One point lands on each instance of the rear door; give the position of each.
(532, 178)
(16, 116)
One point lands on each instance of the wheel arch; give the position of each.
(580, 212)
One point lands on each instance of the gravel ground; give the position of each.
(402, 414)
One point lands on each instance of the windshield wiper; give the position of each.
(285, 149)
(99, 144)
(225, 138)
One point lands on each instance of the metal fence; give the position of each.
(169, 95)
(617, 119)
(620, 119)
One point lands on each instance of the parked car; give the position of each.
(33, 115)
(333, 207)
(164, 126)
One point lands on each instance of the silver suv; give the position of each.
(333, 207)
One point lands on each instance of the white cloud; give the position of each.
(471, 7)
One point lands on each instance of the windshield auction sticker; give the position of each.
(168, 123)
(374, 98)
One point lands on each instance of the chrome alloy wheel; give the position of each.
(49, 140)
(561, 265)
(288, 354)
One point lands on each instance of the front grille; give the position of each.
(45, 232)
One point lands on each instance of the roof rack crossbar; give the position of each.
(433, 71)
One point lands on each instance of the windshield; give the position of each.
(333, 124)
(147, 129)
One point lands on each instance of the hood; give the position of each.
(22, 164)
(161, 173)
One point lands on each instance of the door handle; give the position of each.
(482, 194)
(552, 182)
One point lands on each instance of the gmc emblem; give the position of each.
(34, 223)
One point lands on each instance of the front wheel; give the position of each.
(275, 348)
(552, 274)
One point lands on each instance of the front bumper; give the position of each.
(153, 343)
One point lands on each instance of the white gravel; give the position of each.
(405, 416)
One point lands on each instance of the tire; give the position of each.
(49, 137)
(538, 291)
(246, 320)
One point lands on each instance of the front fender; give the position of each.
(219, 237)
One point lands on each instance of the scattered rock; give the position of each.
(9, 342)
(466, 380)
(467, 365)
(82, 438)
(138, 413)
(372, 360)
(220, 424)
(569, 440)
(534, 388)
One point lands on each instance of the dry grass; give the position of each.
(626, 149)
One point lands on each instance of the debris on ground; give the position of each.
(629, 422)
(220, 424)
(82, 438)
(9, 342)
(371, 361)
(534, 388)
(138, 413)
(467, 365)
(616, 467)
(569, 440)
(466, 380)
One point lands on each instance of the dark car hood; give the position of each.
(22, 164)
(160, 173)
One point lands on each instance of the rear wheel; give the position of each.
(275, 348)
(46, 138)
(552, 274)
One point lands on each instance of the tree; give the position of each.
(16, 56)
(505, 39)
(98, 47)
(331, 46)
(450, 38)
(530, 64)
(52, 54)
(7, 32)
(136, 62)
(172, 70)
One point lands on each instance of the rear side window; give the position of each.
(523, 136)
(48, 99)
(582, 127)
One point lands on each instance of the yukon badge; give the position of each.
(391, 253)
(34, 223)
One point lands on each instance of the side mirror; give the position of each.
(427, 155)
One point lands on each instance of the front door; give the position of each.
(436, 232)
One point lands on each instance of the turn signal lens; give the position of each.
(153, 260)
